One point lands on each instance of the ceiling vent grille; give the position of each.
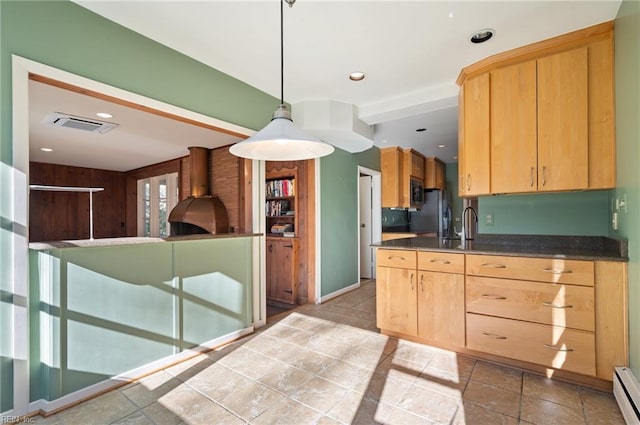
(79, 123)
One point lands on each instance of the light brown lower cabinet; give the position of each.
(396, 300)
(281, 270)
(423, 299)
(569, 315)
(551, 346)
(441, 298)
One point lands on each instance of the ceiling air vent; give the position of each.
(79, 123)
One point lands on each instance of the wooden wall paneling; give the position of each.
(65, 215)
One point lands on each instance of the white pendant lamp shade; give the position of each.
(281, 140)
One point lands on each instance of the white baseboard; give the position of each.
(626, 390)
(339, 292)
(93, 390)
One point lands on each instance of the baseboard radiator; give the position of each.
(627, 393)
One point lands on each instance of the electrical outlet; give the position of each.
(488, 220)
(621, 203)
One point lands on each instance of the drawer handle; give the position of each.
(556, 271)
(435, 260)
(554, 348)
(411, 280)
(552, 305)
(493, 266)
(493, 297)
(391, 257)
(494, 336)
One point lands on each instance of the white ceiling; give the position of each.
(410, 51)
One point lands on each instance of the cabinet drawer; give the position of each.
(403, 259)
(552, 304)
(441, 262)
(550, 346)
(555, 270)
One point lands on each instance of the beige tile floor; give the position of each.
(328, 365)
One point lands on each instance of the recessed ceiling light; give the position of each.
(356, 76)
(482, 36)
(420, 130)
(442, 146)
(104, 115)
(46, 149)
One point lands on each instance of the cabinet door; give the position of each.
(474, 142)
(514, 162)
(281, 270)
(441, 315)
(602, 139)
(563, 121)
(391, 166)
(396, 300)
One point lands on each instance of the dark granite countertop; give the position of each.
(569, 247)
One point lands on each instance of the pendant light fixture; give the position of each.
(280, 140)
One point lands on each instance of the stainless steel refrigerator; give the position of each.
(434, 217)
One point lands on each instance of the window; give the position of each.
(156, 198)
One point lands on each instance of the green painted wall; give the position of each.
(104, 51)
(570, 213)
(161, 299)
(627, 48)
(339, 216)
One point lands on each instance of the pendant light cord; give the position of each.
(282, 52)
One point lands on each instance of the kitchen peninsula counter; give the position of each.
(87, 243)
(113, 306)
(567, 247)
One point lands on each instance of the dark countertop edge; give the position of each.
(593, 248)
(105, 242)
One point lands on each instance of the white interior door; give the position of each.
(366, 252)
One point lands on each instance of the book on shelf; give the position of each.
(274, 208)
(281, 188)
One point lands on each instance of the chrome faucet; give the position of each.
(463, 233)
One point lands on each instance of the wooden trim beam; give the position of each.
(108, 98)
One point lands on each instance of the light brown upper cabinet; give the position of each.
(402, 177)
(434, 174)
(549, 117)
(514, 162)
(563, 121)
(473, 137)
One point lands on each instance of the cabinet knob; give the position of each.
(552, 305)
(493, 297)
(556, 348)
(494, 336)
(556, 271)
(531, 177)
(493, 266)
